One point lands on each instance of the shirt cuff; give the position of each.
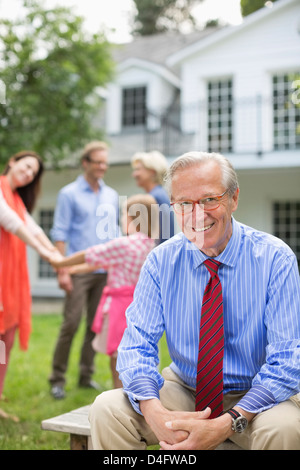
(142, 388)
(257, 399)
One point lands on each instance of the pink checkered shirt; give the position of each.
(122, 257)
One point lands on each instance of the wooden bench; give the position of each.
(76, 424)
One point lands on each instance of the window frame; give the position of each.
(220, 115)
(134, 107)
(286, 114)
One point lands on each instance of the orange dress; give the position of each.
(15, 295)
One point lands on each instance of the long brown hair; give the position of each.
(29, 192)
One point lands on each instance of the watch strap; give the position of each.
(235, 414)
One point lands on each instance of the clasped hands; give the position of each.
(63, 274)
(180, 430)
(48, 254)
(55, 258)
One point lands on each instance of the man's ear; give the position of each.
(235, 200)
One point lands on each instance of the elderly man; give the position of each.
(227, 297)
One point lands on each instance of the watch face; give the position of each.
(240, 424)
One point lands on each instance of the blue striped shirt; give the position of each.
(261, 298)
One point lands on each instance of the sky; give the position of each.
(115, 14)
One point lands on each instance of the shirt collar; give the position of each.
(84, 185)
(229, 255)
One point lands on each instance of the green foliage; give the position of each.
(157, 16)
(51, 69)
(250, 6)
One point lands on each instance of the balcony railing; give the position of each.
(256, 125)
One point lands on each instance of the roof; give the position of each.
(177, 56)
(162, 53)
(158, 47)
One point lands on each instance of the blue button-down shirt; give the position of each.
(261, 298)
(166, 214)
(84, 218)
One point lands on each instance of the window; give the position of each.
(286, 223)
(286, 114)
(220, 114)
(134, 107)
(46, 220)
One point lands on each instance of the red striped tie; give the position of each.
(209, 388)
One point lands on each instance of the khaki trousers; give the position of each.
(116, 426)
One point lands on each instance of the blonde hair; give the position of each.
(143, 210)
(153, 161)
(90, 147)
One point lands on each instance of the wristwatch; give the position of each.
(239, 422)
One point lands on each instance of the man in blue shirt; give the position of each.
(87, 214)
(261, 297)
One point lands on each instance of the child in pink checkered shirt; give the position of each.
(122, 258)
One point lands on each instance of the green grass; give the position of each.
(26, 388)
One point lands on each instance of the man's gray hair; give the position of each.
(189, 159)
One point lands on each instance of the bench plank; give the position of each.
(75, 422)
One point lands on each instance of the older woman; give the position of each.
(149, 169)
(19, 187)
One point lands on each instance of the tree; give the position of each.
(51, 69)
(249, 6)
(157, 16)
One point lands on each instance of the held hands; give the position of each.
(56, 258)
(67, 266)
(195, 425)
(48, 254)
(203, 433)
(180, 430)
(63, 275)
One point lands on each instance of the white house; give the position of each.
(231, 90)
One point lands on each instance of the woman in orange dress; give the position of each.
(19, 187)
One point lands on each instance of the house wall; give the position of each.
(259, 189)
(160, 94)
(250, 57)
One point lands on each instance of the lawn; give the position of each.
(26, 390)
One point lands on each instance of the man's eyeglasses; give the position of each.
(209, 204)
(95, 162)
